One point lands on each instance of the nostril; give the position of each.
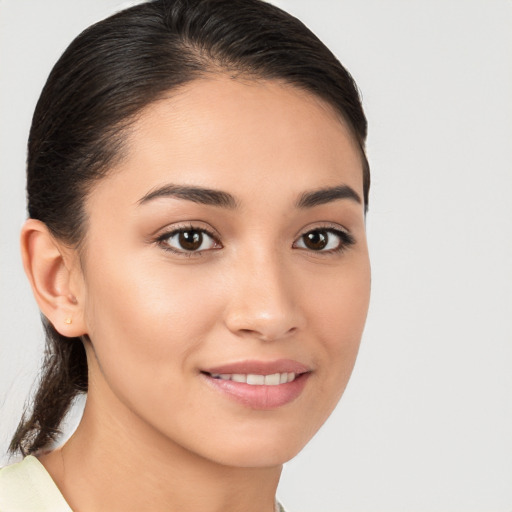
(267, 336)
(263, 320)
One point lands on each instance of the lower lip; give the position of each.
(260, 397)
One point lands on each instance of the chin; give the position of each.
(258, 457)
(260, 450)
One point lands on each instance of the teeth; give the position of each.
(257, 380)
(272, 380)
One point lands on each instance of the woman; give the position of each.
(197, 189)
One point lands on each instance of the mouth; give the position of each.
(254, 379)
(259, 385)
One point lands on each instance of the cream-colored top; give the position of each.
(27, 487)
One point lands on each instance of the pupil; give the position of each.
(316, 240)
(191, 240)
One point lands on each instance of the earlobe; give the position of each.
(52, 269)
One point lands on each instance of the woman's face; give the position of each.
(226, 277)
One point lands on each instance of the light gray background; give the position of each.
(426, 422)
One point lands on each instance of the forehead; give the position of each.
(238, 136)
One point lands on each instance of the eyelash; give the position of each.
(345, 240)
(162, 240)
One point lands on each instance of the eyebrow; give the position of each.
(327, 195)
(222, 199)
(193, 193)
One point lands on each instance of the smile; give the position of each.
(260, 385)
(257, 380)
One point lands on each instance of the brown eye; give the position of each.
(324, 240)
(188, 240)
(316, 240)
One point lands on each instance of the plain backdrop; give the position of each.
(426, 421)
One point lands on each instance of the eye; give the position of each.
(324, 240)
(188, 240)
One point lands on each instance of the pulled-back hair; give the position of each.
(107, 75)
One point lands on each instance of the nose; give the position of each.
(264, 300)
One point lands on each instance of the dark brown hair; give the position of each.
(107, 75)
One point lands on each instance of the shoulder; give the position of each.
(27, 486)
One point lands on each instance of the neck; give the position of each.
(114, 463)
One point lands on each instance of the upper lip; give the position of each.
(259, 367)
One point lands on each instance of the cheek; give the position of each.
(146, 316)
(339, 305)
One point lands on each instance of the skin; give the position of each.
(156, 318)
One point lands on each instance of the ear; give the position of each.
(54, 272)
